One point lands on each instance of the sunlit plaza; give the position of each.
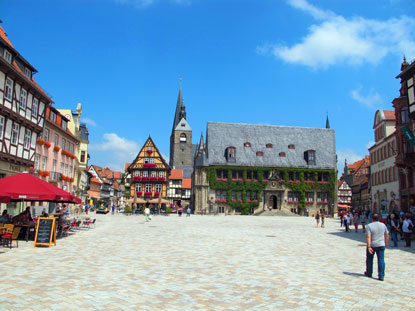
(204, 263)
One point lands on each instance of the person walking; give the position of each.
(317, 217)
(394, 230)
(348, 221)
(113, 209)
(407, 227)
(356, 221)
(147, 212)
(363, 220)
(188, 211)
(377, 237)
(322, 218)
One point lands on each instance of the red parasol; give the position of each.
(26, 187)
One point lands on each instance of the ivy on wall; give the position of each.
(257, 186)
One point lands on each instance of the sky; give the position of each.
(277, 62)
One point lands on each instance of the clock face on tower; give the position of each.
(68, 116)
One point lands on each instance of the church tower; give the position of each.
(181, 137)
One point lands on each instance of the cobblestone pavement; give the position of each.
(204, 263)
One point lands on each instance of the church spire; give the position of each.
(180, 108)
(327, 122)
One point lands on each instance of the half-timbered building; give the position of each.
(149, 173)
(22, 110)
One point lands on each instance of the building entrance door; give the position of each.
(273, 202)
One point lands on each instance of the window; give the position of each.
(149, 148)
(404, 115)
(223, 174)
(293, 196)
(15, 133)
(158, 188)
(322, 197)
(37, 161)
(27, 138)
(72, 149)
(9, 89)
(64, 124)
(82, 156)
(247, 145)
(136, 173)
(44, 162)
(63, 143)
(1, 126)
(145, 173)
(309, 196)
(54, 163)
(237, 174)
(233, 195)
(291, 147)
(56, 140)
(161, 174)
(149, 188)
(230, 154)
(35, 107)
(7, 56)
(282, 154)
(46, 134)
(183, 138)
(66, 169)
(269, 146)
(52, 116)
(70, 171)
(310, 157)
(27, 72)
(153, 174)
(146, 160)
(411, 96)
(259, 153)
(23, 98)
(62, 167)
(138, 188)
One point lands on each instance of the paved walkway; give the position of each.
(204, 263)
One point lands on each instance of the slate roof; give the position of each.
(223, 135)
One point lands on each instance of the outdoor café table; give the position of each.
(28, 227)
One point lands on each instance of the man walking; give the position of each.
(377, 237)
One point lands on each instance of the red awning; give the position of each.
(26, 187)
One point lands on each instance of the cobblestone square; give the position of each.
(204, 263)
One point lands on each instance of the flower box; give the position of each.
(248, 201)
(292, 202)
(265, 180)
(240, 179)
(323, 182)
(47, 144)
(139, 192)
(220, 201)
(137, 178)
(71, 179)
(255, 180)
(156, 194)
(234, 179)
(146, 178)
(153, 178)
(56, 148)
(224, 179)
(309, 202)
(149, 164)
(149, 151)
(255, 201)
(309, 181)
(162, 178)
(148, 193)
(248, 179)
(282, 180)
(40, 141)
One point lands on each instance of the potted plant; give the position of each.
(127, 210)
(168, 211)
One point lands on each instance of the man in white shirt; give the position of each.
(377, 237)
(407, 227)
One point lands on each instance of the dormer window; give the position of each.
(310, 157)
(282, 154)
(247, 145)
(230, 154)
(269, 146)
(183, 138)
(291, 146)
(52, 116)
(259, 154)
(64, 124)
(7, 56)
(28, 73)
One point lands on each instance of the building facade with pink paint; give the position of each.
(55, 151)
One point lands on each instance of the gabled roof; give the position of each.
(149, 139)
(220, 136)
(187, 183)
(117, 175)
(126, 166)
(95, 180)
(176, 174)
(183, 126)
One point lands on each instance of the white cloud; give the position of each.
(88, 121)
(336, 39)
(346, 154)
(114, 151)
(371, 100)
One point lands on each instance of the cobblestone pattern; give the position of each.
(204, 263)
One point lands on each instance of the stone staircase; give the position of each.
(276, 212)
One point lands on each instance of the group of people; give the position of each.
(356, 218)
(321, 215)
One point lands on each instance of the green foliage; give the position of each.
(127, 209)
(257, 186)
(168, 210)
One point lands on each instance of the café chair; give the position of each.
(10, 237)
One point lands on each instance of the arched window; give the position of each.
(183, 138)
(291, 146)
(259, 153)
(247, 144)
(282, 154)
(269, 146)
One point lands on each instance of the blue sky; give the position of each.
(279, 62)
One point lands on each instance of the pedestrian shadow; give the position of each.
(354, 274)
